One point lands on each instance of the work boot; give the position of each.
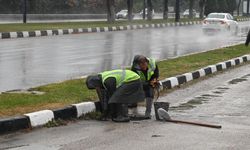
(122, 113)
(121, 119)
(149, 102)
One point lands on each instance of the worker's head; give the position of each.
(93, 82)
(143, 63)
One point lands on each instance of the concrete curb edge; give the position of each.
(178, 80)
(39, 33)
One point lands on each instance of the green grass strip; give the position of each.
(75, 91)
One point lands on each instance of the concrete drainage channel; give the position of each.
(40, 118)
(38, 33)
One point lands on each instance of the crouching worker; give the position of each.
(116, 89)
(148, 71)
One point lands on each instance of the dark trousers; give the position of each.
(111, 110)
(148, 92)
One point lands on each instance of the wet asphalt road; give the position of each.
(222, 99)
(30, 62)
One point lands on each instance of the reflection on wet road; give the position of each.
(30, 62)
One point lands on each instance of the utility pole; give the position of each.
(144, 10)
(24, 11)
(177, 10)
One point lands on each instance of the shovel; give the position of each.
(163, 115)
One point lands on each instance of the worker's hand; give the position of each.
(154, 82)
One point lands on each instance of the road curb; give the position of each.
(55, 32)
(172, 82)
(40, 118)
(39, 33)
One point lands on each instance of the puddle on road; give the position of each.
(20, 91)
(238, 80)
(14, 147)
(198, 100)
(157, 135)
(191, 103)
(246, 76)
(223, 88)
(218, 92)
(210, 95)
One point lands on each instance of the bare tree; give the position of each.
(165, 10)
(248, 2)
(191, 7)
(130, 9)
(202, 4)
(24, 11)
(238, 7)
(150, 9)
(177, 10)
(111, 10)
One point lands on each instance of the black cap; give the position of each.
(93, 81)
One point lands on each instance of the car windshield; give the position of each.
(220, 16)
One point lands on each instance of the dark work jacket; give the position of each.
(248, 39)
(147, 88)
(127, 93)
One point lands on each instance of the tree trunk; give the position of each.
(238, 8)
(130, 9)
(248, 1)
(191, 6)
(111, 11)
(144, 10)
(24, 11)
(177, 10)
(150, 9)
(202, 8)
(165, 11)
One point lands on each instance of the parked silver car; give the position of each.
(186, 13)
(123, 14)
(219, 22)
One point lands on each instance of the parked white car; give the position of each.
(186, 13)
(216, 22)
(122, 14)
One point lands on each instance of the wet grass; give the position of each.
(69, 25)
(74, 91)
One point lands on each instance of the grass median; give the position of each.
(74, 91)
(14, 27)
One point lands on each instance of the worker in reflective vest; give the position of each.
(116, 89)
(148, 71)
